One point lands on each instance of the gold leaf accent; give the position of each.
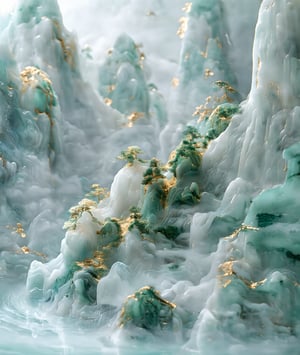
(227, 268)
(134, 117)
(3, 161)
(108, 101)
(227, 283)
(258, 70)
(242, 228)
(187, 7)
(254, 285)
(97, 262)
(31, 75)
(68, 48)
(208, 73)
(133, 297)
(151, 13)
(204, 110)
(85, 205)
(26, 250)
(204, 54)
(169, 184)
(18, 229)
(175, 82)
(187, 57)
(142, 56)
(183, 25)
(99, 192)
(227, 272)
(111, 88)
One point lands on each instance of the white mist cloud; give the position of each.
(7, 6)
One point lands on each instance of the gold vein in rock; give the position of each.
(26, 250)
(99, 192)
(227, 268)
(175, 82)
(108, 101)
(208, 73)
(111, 88)
(242, 228)
(18, 229)
(31, 75)
(187, 7)
(68, 49)
(254, 285)
(203, 54)
(134, 117)
(3, 162)
(258, 70)
(183, 25)
(157, 294)
(97, 261)
(169, 184)
(204, 110)
(227, 272)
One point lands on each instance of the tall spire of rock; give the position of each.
(253, 144)
(203, 61)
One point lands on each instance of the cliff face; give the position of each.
(268, 123)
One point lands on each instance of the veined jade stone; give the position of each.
(146, 309)
(257, 292)
(36, 9)
(38, 97)
(122, 78)
(215, 227)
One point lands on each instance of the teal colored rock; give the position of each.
(87, 253)
(187, 155)
(219, 120)
(261, 278)
(155, 196)
(137, 221)
(122, 80)
(169, 231)
(154, 202)
(279, 204)
(123, 84)
(220, 239)
(146, 309)
(157, 107)
(36, 9)
(38, 97)
(110, 234)
(213, 56)
(204, 59)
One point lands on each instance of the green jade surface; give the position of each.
(199, 251)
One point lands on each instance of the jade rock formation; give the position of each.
(150, 191)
